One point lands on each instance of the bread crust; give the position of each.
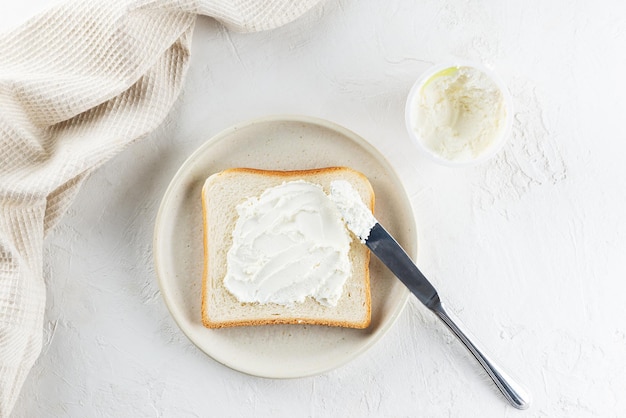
(286, 175)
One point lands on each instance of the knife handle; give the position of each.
(512, 391)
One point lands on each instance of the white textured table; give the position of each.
(528, 248)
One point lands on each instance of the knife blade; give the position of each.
(387, 249)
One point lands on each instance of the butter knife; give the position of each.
(362, 223)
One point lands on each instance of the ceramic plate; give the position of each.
(277, 143)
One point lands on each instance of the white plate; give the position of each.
(278, 143)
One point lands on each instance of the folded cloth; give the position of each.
(78, 84)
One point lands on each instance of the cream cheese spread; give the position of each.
(288, 244)
(459, 113)
(356, 215)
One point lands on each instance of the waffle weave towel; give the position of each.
(79, 83)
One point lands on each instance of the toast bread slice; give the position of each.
(221, 193)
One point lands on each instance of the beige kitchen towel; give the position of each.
(78, 84)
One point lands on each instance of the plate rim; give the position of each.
(374, 337)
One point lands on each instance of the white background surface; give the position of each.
(528, 249)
